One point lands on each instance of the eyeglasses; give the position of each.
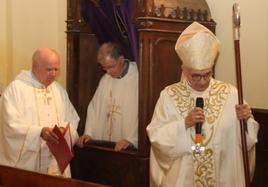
(198, 77)
(108, 67)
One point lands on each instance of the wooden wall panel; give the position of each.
(261, 170)
(89, 74)
(118, 169)
(14, 177)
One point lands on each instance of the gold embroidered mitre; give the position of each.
(197, 47)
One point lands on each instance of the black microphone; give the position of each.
(199, 103)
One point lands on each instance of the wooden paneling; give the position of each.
(261, 171)
(89, 74)
(106, 166)
(14, 177)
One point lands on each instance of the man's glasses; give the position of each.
(198, 77)
(108, 67)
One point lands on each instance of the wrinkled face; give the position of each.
(48, 70)
(113, 67)
(198, 79)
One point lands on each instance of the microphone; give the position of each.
(198, 126)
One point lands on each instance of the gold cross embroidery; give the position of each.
(113, 109)
(45, 95)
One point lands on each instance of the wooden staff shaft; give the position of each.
(236, 24)
(238, 72)
(240, 101)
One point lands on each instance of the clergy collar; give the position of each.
(125, 69)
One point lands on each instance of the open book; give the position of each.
(62, 151)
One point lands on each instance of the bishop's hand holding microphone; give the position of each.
(196, 117)
(198, 126)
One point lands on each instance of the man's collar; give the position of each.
(125, 69)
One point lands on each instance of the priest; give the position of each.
(199, 144)
(31, 106)
(112, 114)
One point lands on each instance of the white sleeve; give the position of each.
(252, 132)
(167, 133)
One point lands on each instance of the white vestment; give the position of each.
(26, 107)
(174, 164)
(112, 113)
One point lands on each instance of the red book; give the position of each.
(62, 151)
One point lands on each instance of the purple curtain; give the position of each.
(113, 23)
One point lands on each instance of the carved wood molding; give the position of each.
(181, 13)
(165, 25)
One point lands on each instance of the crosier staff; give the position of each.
(236, 26)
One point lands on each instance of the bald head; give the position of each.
(45, 65)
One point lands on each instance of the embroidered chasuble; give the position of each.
(173, 163)
(27, 107)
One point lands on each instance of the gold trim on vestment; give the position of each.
(214, 99)
(47, 89)
(113, 109)
(204, 169)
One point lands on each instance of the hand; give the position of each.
(122, 144)
(49, 136)
(83, 139)
(195, 116)
(243, 112)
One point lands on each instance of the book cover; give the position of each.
(62, 151)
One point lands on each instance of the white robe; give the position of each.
(23, 115)
(112, 113)
(172, 162)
